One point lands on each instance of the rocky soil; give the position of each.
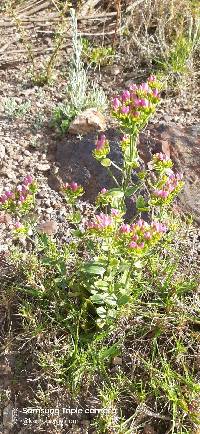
(29, 145)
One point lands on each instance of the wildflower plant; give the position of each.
(20, 200)
(81, 92)
(18, 203)
(106, 253)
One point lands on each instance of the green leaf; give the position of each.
(76, 218)
(97, 298)
(101, 311)
(141, 205)
(106, 162)
(131, 190)
(111, 300)
(93, 268)
(101, 284)
(109, 352)
(124, 299)
(116, 192)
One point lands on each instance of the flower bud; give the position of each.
(125, 110)
(103, 191)
(125, 228)
(133, 245)
(116, 103)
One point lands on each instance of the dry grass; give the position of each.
(154, 25)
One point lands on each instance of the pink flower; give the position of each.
(133, 245)
(144, 87)
(155, 92)
(125, 110)
(136, 102)
(140, 223)
(135, 237)
(3, 198)
(101, 221)
(24, 189)
(125, 228)
(103, 191)
(164, 194)
(151, 79)
(19, 188)
(21, 199)
(144, 103)
(141, 245)
(161, 193)
(162, 157)
(8, 194)
(74, 186)
(100, 143)
(125, 95)
(104, 220)
(17, 225)
(133, 87)
(114, 212)
(28, 180)
(116, 103)
(147, 235)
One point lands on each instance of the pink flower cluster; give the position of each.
(170, 185)
(140, 233)
(100, 222)
(73, 186)
(161, 157)
(103, 190)
(102, 148)
(20, 194)
(100, 143)
(137, 98)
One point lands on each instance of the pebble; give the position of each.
(43, 167)
(7, 415)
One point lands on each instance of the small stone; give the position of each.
(5, 218)
(117, 361)
(49, 210)
(49, 227)
(7, 416)
(43, 167)
(2, 152)
(149, 429)
(88, 121)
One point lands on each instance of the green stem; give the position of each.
(113, 177)
(116, 166)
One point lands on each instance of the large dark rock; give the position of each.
(183, 144)
(76, 162)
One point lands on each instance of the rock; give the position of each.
(7, 415)
(43, 167)
(5, 218)
(149, 429)
(183, 145)
(88, 121)
(55, 182)
(2, 152)
(49, 227)
(76, 162)
(117, 361)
